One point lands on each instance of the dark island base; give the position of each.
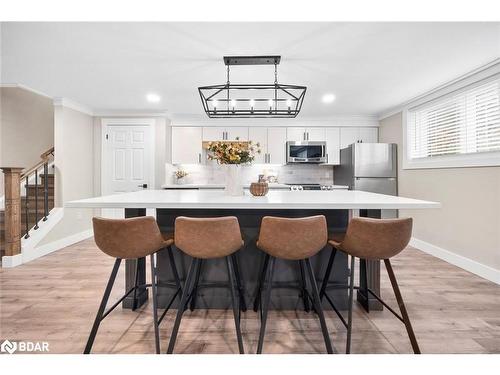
(250, 260)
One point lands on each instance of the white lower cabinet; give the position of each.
(272, 144)
(187, 145)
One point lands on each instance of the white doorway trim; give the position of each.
(105, 123)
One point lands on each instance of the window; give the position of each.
(460, 125)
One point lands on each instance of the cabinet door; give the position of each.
(259, 134)
(213, 133)
(315, 134)
(368, 135)
(237, 132)
(348, 136)
(276, 144)
(333, 146)
(295, 134)
(186, 145)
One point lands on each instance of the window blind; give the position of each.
(464, 123)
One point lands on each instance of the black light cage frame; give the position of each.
(279, 93)
(226, 111)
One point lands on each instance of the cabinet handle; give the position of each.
(307, 135)
(305, 138)
(199, 158)
(269, 158)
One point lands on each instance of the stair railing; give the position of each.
(32, 175)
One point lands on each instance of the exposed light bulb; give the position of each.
(233, 103)
(288, 103)
(252, 103)
(153, 98)
(270, 102)
(215, 103)
(328, 98)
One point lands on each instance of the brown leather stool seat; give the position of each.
(133, 238)
(204, 239)
(373, 239)
(295, 239)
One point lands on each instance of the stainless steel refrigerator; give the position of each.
(369, 167)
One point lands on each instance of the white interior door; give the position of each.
(128, 158)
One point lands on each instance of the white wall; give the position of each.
(26, 128)
(468, 224)
(74, 170)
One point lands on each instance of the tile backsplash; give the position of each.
(212, 173)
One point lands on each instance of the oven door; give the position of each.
(306, 152)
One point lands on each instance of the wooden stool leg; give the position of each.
(402, 307)
(268, 285)
(263, 272)
(319, 308)
(102, 307)
(187, 286)
(235, 303)
(155, 302)
(351, 298)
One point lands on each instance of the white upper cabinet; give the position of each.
(276, 145)
(272, 144)
(332, 146)
(355, 135)
(186, 145)
(305, 134)
(225, 133)
(259, 135)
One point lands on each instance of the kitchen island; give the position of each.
(338, 206)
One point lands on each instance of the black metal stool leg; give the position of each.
(155, 302)
(326, 278)
(102, 307)
(303, 287)
(241, 289)
(189, 280)
(235, 303)
(262, 276)
(136, 283)
(268, 285)
(363, 282)
(195, 288)
(351, 298)
(174, 271)
(402, 307)
(319, 308)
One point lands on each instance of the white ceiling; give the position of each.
(370, 67)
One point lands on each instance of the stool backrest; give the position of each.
(377, 238)
(127, 238)
(293, 238)
(208, 237)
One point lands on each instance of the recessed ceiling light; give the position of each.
(153, 98)
(328, 98)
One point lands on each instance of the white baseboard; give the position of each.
(467, 264)
(9, 261)
(34, 253)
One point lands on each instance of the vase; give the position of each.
(234, 185)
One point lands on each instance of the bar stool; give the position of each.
(295, 239)
(132, 238)
(204, 239)
(372, 239)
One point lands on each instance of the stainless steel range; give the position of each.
(296, 187)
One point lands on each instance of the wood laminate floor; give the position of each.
(55, 298)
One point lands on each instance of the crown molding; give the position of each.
(118, 113)
(492, 65)
(24, 87)
(68, 103)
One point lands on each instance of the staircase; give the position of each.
(32, 202)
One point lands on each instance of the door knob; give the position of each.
(144, 186)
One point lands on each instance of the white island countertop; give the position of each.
(218, 186)
(275, 199)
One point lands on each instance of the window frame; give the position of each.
(479, 159)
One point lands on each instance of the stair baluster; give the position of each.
(26, 208)
(45, 190)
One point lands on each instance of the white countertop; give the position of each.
(275, 199)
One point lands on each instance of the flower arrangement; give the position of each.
(233, 152)
(180, 174)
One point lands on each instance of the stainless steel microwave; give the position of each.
(306, 152)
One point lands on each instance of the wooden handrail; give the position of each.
(45, 158)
